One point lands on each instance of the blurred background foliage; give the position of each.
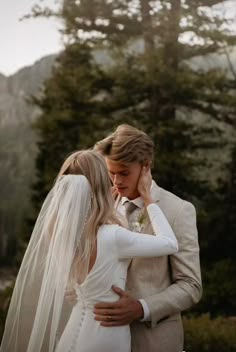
(145, 63)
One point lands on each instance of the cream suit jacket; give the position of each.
(168, 284)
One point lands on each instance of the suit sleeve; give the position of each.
(131, 244)
(186, 288)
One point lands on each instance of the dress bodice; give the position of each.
(115, 248)
(107, 270)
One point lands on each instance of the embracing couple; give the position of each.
(130, 256)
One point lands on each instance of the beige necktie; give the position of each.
(129, 210)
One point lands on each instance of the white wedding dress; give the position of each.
(115, 247)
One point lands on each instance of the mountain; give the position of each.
(18, 145)
(18, 141)
(225, 59)
(16, 88)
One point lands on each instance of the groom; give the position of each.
(158, 289)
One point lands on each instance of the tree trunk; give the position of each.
(147, 26)
(171, 47)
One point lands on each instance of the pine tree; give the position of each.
(160, 77)
(161, 74)
(68, 112)
(155, 84)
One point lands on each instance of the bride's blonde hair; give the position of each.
(92, 165)
(55, 260)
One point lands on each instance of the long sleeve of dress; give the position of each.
(132, 244)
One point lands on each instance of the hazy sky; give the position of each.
(22, 43)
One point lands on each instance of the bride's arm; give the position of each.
(131, 244)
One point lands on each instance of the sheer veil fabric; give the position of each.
(38, 310)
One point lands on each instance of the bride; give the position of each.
(78, 244)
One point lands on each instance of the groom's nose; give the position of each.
(117, 180)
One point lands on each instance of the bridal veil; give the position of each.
(38, 310)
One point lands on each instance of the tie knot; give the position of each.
(129, 207)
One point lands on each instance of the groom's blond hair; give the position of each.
(126, 144)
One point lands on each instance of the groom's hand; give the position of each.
(122, 312)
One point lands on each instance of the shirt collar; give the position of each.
(137, 201)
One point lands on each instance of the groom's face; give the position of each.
(125, 177)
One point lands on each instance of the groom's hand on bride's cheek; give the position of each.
(122, 312)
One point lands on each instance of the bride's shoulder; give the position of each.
(108, 228)
(107, 235)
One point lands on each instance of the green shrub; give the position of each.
(203, 334)
(4, 304)
(219, 292)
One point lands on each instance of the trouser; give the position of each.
(167, 336)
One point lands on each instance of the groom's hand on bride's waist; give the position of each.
(122, 312)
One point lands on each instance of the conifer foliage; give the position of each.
(142, 62)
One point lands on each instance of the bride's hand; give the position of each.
(144, 185)
(71, 296)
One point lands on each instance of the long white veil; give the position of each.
(38, 310)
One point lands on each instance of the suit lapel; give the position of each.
(155, 192)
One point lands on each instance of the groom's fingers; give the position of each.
(106, 305)
(113, 305)
(112, 313)
(113, 320)
(119, 291)
(123, 312)
(116, 319)
(103, 310)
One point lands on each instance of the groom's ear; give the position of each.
(147, 164)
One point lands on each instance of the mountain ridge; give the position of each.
(18, 140)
